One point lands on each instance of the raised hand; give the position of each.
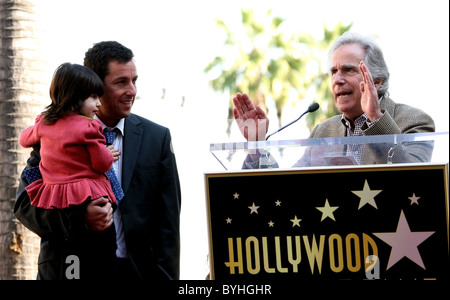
(252, 121)
(369, 95)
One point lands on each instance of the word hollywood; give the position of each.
(284, 254)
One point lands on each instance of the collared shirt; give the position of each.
(118, 144)
(356, 150)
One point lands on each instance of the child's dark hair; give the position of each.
(71, 85)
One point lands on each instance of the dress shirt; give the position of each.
(355, 150)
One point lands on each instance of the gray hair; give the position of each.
(374, 59)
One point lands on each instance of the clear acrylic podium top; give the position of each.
(361, 150)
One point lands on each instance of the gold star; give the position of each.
(271, 223)
(414, 199)
(295, 221)
(253, 208)
(278, 203)
(228, 220)
(367, 196)
(327, 211)
(236, 196)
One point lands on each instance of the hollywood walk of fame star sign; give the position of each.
(326, 224)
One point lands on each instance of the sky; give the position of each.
(174, 40)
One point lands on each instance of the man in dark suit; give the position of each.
(147, 219)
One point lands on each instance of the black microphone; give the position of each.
(312, 108)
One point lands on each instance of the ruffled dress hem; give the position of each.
(58, 196)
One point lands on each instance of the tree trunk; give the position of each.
(22, 93)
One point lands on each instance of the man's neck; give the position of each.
(107, 122)
(117, 123)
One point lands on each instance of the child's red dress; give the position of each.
(74, 159)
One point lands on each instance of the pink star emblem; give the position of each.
(414, 199)
(404, 242)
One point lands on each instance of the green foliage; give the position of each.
(269, 63)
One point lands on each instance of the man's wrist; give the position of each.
(374, 118)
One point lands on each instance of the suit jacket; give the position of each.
(150, 208)
(152, 202)
(397, 119)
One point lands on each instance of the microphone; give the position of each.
(312, 108)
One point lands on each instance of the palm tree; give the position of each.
(267, 63)
(21, 95)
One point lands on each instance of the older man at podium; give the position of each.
(359, 82)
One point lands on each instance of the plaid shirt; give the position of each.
(355, 150)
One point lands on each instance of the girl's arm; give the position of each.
(101, 156)
(28, 138)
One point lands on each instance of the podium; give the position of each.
(308, 209)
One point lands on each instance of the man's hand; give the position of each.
(369, 95)
(99, 214)
(115, 152)
(252, 121)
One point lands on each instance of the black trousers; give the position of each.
(125, 270)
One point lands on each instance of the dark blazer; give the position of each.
(150, 208)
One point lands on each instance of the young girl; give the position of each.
(74, 159)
